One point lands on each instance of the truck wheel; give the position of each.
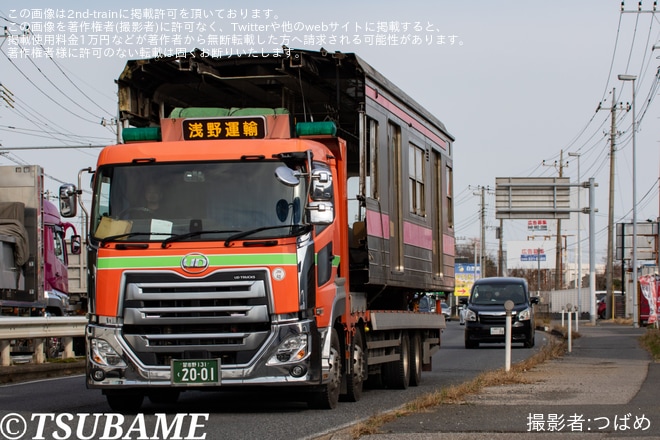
(125, 402)
(397, 374)
(53, 348)
(328, 397)
(415, 360)
(529, 342)
(355, 383)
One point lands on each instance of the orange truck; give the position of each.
(267, 222)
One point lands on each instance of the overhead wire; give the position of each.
(602, 145)
(55, 86)
(57, 65)
(50, 98)
(94, 102)
(31, 115)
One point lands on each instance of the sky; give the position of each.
(517, 83)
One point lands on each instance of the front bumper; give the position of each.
(478, 332)
(263, 369)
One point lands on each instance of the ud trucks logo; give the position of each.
(194, 263)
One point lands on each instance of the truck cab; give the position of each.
(33, 267)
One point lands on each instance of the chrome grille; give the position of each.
(173, 318)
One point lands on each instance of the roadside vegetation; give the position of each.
(651, 342)
(457, 393)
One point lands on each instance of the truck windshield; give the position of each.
(194, 201)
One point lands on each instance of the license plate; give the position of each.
(497, 330)
(195, 372)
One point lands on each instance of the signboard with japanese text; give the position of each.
(465, 274)
(537, 225)
(531, 254)
(244, 127)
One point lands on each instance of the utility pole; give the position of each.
(481, 191)
(559, 246)
(482, 218)
(500, 253)
(609, 265)
(482, 245)
(579, 229)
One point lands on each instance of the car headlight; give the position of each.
(470, 315)
(525, 315)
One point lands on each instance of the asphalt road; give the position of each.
(240, 415)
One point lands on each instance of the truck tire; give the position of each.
(355, 383)
(415, 359)
(328, 396)
(125, 401)
(397, 374)
(53, 348)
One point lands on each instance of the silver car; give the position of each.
(446, 310)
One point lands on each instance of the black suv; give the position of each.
(485, 317)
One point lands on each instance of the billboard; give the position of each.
(537, 225)
(465, 274)
(531, 254)
(532, 198)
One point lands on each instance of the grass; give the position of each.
(65, 361)
(651, 342)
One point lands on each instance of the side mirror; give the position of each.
(462, 300)
(322, 185)
(68, 200)
(75, 244)
(534, 299)
(287, 176)
(321, 213)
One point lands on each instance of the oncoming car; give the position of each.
(485, 316)
(446, 310)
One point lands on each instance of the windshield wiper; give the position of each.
(194, 234)
(297, 230)
(105, 240)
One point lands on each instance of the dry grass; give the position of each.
(651, 342)
(456, 394)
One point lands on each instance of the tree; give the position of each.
(601, 278)
(465, 253)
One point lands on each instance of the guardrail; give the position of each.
(39, 329)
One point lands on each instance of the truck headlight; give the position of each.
(292, 349)
(525, 315)
(470, 315)
(104, 354)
